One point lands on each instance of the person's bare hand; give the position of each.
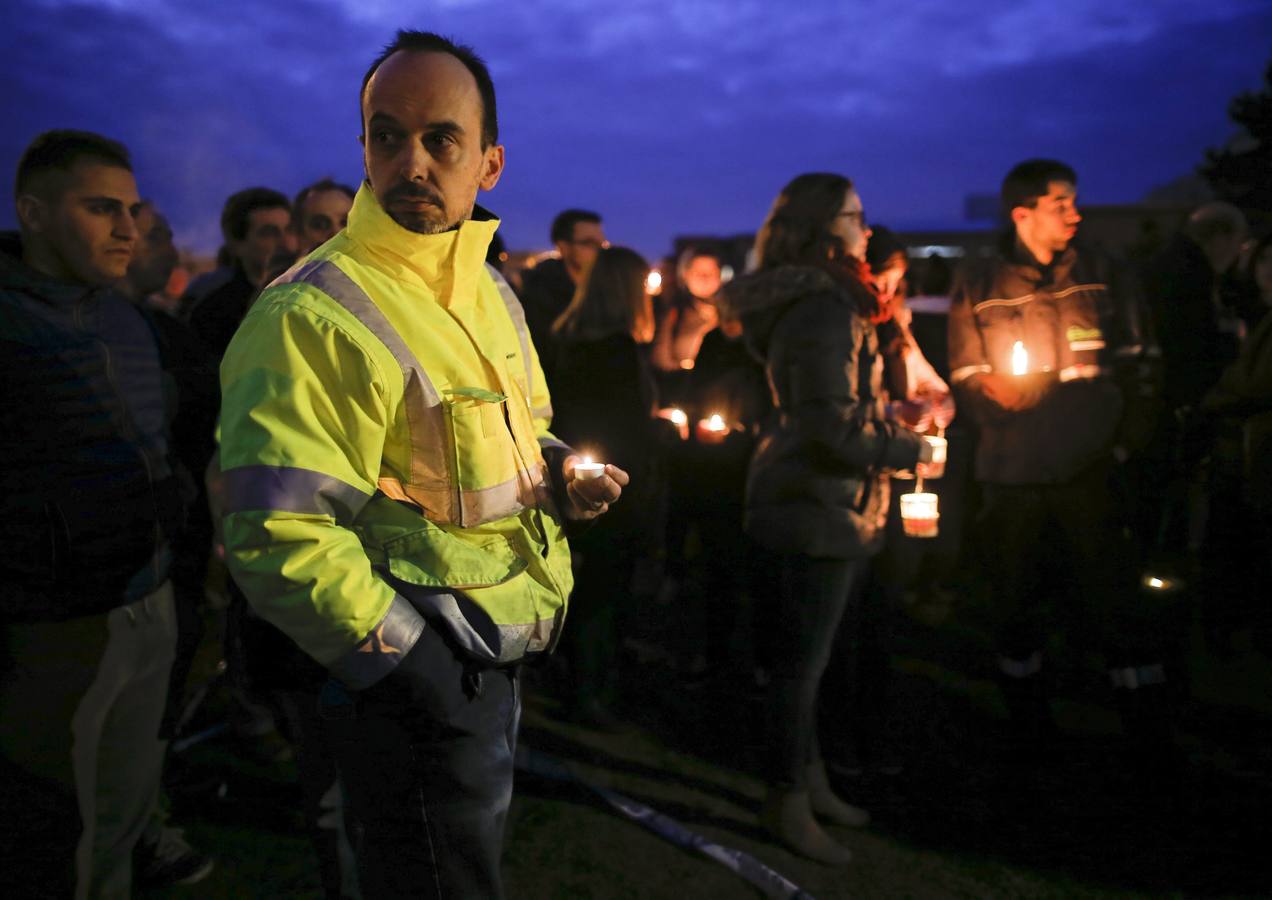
(592, 497)
(1003, 390)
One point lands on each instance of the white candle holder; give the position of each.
(588, 470)
(936, 467)
(919, 515)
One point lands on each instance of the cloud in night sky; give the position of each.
(668, 117)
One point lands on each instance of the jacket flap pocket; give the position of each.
(433, 557)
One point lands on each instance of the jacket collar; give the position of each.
(1019, 257)
(16, 275)
(449, 264)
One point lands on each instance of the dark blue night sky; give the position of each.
(667, 116)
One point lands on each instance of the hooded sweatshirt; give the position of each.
(817, 484)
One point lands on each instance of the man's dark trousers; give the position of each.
(429, 775)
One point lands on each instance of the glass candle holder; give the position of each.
(919, 515)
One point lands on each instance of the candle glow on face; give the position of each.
(1019, 359)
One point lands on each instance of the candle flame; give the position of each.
(587, 460)
(678, 416)
(1019, 359)
(716, 422)
(1155, 583)
(653, 282)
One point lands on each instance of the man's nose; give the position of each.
(125, 227)
(415, 162)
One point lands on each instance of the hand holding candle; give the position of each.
(678, 418)
(712, 430)
(591, 486)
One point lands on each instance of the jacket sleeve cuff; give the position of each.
(554, 454)
(379, 653)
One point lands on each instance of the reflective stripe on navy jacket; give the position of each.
(1091, 360)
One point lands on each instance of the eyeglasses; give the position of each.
(859, 215)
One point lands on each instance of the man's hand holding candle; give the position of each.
(1005, 390)
(591, 487)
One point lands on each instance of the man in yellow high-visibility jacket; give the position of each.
(393, 499)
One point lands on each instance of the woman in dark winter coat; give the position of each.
(817, 490)
(604, 401)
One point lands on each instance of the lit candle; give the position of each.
(653, 282)
(919, 515)
(678, 418)
(1160, 583)
(713, 429)
(1019, 359)
(587, 470)
(936, 468)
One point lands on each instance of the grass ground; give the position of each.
(957, 822)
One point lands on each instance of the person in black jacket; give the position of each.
(578, 235)
(1052, 353)
(604, 404)
(90, 506)
(817, 490)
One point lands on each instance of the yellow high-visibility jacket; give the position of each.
(383, 423)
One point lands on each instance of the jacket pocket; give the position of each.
(432, 557)
(475, 417)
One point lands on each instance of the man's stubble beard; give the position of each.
(422, 223)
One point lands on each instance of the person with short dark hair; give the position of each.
(578, 235)
(91, 502)
(1053, 357)
(256, 228)
(394, 501)
(817, 490)
(154, 258)
(1198, 335)
(318, 212)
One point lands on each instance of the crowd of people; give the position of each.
(397, 473)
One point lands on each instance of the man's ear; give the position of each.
(492, 167)
(1019, 214)
(32, 212)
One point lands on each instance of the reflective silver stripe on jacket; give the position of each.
(429, 484)
(518, 315)
(1083, 373)
(1017, 301)
(379, 653)
(964, 372)
(290, 489)
(1132, 677)
(1021, 668)
(513, 642)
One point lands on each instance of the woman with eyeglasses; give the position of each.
(817, 490)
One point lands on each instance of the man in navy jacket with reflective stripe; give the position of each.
(1051, 353)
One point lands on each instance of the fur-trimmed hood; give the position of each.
(760, 300)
